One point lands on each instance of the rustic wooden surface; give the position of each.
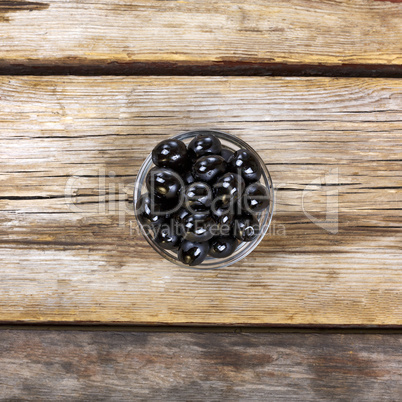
(89, 366)
(69, 260)
(208, 32)
(78, 259)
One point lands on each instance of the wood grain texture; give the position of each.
(85, 366)
(79, 259)
(210, 32)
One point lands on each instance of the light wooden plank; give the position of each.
(66, 266)
(187, 32)
(124, 366)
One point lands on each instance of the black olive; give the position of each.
(226, 154)
(166, 237)
(205, 143)
(209, 168)
(178, 221)
(199, 227)
(221, 247)
(170, 154)
(193, 253)
(198, 196)
(244, 163)
(181, 214)
(219, 210)
(164, 183)
(224, 224)
(246, 228)
(229, 187)
(188, 177)
(256, 198)
(149, 213)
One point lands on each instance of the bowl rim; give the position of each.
(244, 248)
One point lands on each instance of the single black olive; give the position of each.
(178, 221)
(218, 209)
(205, 143)
(209, 168)
(166, 237)
(244, 163)
(149, 213)
(170, 154)
(197, 196)
(246, 227)
(181, 214)
(229, 187)
(188, 177)
(193, 253)
(221, 247)
(256, 198)
(226, 154)
(223, 224)
(199, 227)
(164, 183)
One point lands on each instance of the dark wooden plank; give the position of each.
(123, 366)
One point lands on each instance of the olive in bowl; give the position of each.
(213, 192)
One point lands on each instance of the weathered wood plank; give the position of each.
(365, 32)
(90, 135)
(177, 367)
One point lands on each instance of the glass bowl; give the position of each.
(243, 249)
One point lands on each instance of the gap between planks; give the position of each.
(235, 68)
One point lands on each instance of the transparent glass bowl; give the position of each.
(230, 142)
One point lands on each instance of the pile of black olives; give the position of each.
(202, 199)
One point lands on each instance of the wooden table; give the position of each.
(87, 90)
